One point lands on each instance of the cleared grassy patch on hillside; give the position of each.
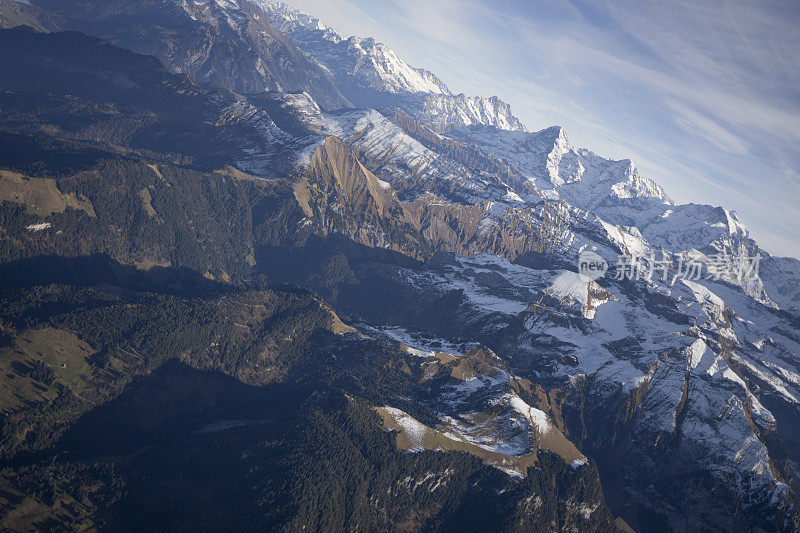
(40, 196)
(62, 351)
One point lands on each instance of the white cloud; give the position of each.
(707, 129)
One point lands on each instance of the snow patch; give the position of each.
(413, 429)
(577, 463)
(38, 227)
(535, 416)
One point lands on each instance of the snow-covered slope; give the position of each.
(479, 411)
(635, 212)
(445, 112)
(683, 371)
(578, 176)
(369, 63)
(781, 276)
(372, 75)
(389, 151)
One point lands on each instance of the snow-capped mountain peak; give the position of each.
(299, 18)
(214, 12)
(560, 148)
(374, 64)
(444, 113)
(373, 75)
(387, 72)
(576, 175)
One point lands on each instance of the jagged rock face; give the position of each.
(580, 177)
(372, 75)
(414, 169)
(360, 61)
(334, 167)
(340, 196)
(779, 275)
(444, 113)
(221, 43)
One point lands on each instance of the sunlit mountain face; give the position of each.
(260, 275)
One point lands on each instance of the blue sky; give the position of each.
(703, 96)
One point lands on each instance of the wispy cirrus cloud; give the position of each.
(707, 129)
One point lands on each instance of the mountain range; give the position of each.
(260, 274)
